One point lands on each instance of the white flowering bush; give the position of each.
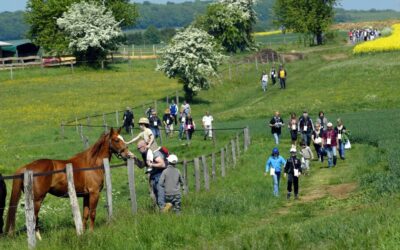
(91, 30)
(192, 57)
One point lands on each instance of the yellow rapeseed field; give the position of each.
(389, 43)
(268, 33)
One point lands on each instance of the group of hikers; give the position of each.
(170, 118)
(326, 139)
(274, 74)
(360, 35)
(165, 180)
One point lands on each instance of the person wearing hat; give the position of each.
(155, 124)
(293, 171)
(129, 120)
(171, 181)
(330, 142)
(273, 168)
(146, 134)
(168, 120)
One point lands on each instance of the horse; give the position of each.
(3, 195)
(88, 184)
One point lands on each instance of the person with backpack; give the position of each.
(173, 109)
(273, 75)
(171, 181)
(128, 120)
(282, 74)
(306, 127)
(276, 124)
(264, 81)
(273, 167)
(155, 163)
(293, 171)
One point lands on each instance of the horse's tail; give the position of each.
(12, 207)
(3, 195)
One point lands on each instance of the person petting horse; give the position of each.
(88, 184)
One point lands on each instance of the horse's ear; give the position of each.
(119, 130)
(111, 131)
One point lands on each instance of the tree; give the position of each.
(231, 23)
(310, 17)
(152, 35)
(192, 56)
(91, 30)
(41, 16)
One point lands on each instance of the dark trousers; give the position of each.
(282, 81)
(273, 80)
(318, 149)
(293, 180)
(175, 119)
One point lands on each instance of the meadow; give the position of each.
(351, 206)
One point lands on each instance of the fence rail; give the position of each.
(226, 160)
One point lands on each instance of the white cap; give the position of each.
(329, 124)
(173, 159)
(293, 150)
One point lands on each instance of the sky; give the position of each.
(13, 5)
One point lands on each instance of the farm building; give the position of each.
(18, 48)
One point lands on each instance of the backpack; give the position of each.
(165, 153)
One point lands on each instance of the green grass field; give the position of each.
(351, 206)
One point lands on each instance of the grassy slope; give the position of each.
(240, 211)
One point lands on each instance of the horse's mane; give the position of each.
(95, 149)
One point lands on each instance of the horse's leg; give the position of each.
(94, 198)
(37, 204)
(85, 210)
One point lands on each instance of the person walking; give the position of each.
(292, 171)
(128, 120)
(155, 124)
(273, 75)
(182, 122)
(168, 120)
(306, 127)
(185, 108)
(292, 125)
(316, 138)
(329, 142)
(282, 74)
(322, 120)
(173, 109)
(171, 181)
(190, 127)
(207, 125)
(276, 124)
(264, 81)
(306, 157)
(273, 167)
(340, 130)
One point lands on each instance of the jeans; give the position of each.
(264, 85)
(276, 179)
(282, 81)
(318, 149)
(341, 149)
(306, 137)
(276, 137)
(331, 151)
(181, 131)
(157, 189)
(156, 132)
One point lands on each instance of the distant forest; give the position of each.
(174, 15)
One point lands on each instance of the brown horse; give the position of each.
(88, 184)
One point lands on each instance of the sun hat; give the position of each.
(173, 159)
(144, 120)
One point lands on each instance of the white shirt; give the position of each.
(207, 120)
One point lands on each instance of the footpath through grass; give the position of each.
(351, 206)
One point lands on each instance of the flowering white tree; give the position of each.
(91, 29)
(231, 23)
(192, 57)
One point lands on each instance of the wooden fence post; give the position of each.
(227, 159)
(230, 72)
(245, 140)
(197, 174)
(62, 130)
(132, 188)
(74, 200)
(214, 136)
(206, 174)
(177, 99)
(104, 122)
(29, 209)
(185, 178)
(222, 162)
(155, 106)
(107, 174)
(237, 146)
(76, 125)
(81, 131)
(117, 117)
(233, 153)
(213, 170)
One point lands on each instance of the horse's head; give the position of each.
(118, 145)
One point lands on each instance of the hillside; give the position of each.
(351, 206)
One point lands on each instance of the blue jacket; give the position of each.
(275, 162)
